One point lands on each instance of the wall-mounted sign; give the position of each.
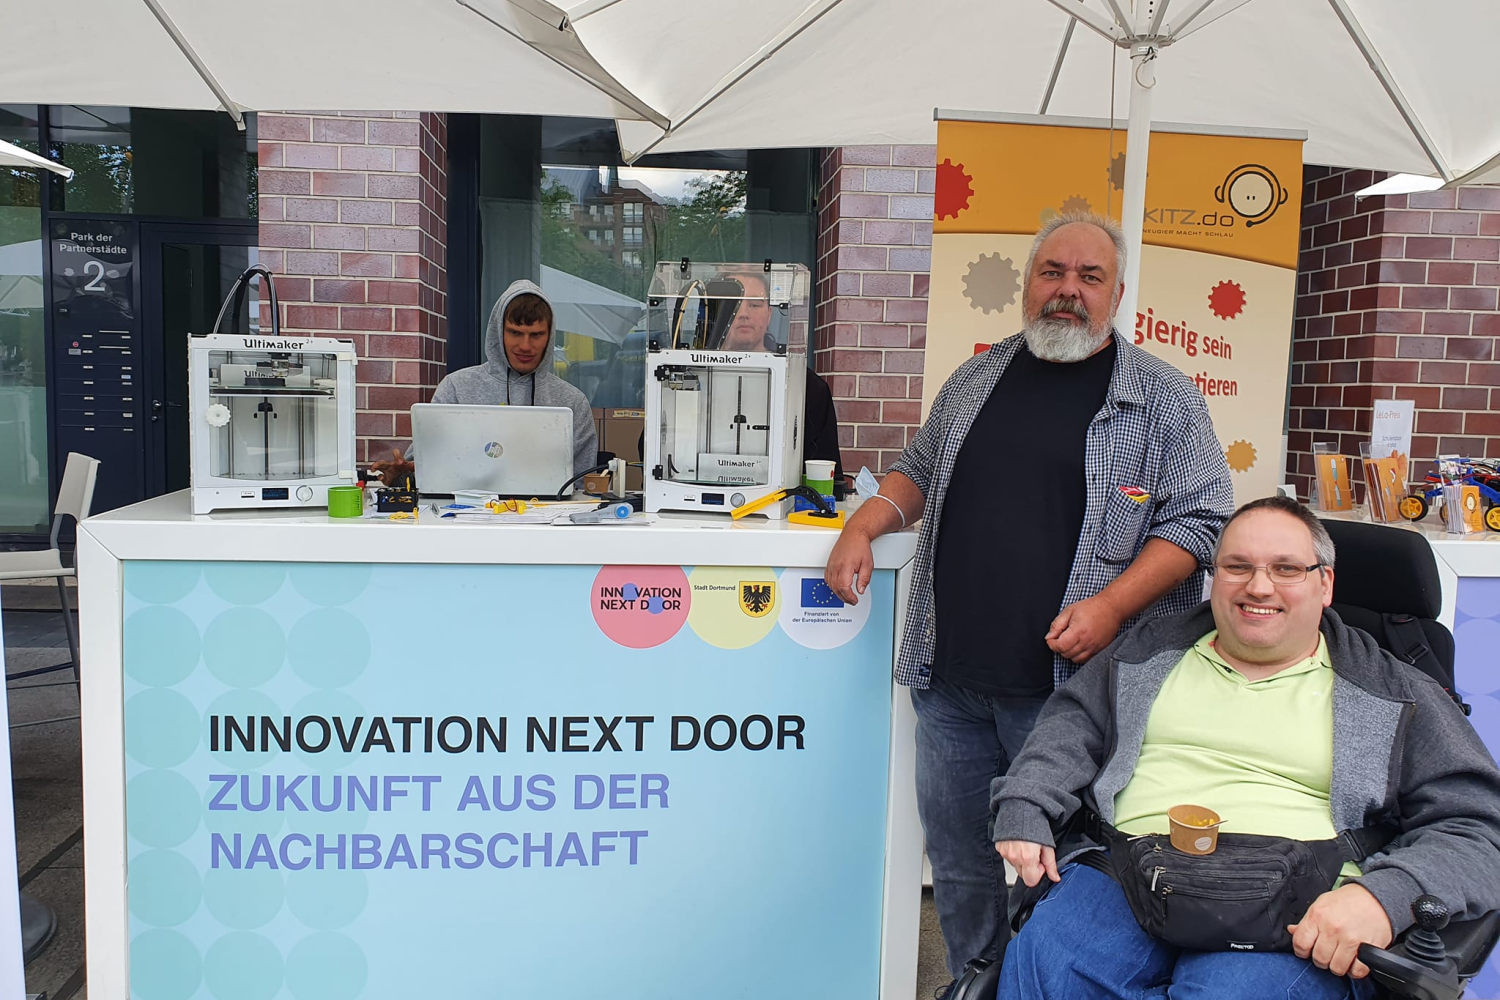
(93, 264)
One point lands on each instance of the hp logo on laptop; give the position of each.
(494, 449)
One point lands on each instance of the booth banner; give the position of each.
(503, 781)
(1476, 677)
(1218, 269)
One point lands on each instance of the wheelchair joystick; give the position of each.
(1423, 943)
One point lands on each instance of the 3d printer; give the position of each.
(272, 417)
(725, 380)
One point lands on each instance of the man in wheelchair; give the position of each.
(1348, 784)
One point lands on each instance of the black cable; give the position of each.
(562, 492)
(533, 388)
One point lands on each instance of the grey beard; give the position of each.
(1062, 341)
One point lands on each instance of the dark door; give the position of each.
(186, 273)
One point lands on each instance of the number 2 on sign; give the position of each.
(97, 270)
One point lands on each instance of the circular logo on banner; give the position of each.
(812, 614)
(640, 606)
(734, 606)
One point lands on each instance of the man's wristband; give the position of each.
(895, 505)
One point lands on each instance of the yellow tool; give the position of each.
(823, 517)
(506, 506)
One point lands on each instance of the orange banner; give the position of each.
(1233, 196)
(1218, 271)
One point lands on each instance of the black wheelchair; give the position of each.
(1386, 584)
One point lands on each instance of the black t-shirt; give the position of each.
(1010, 524)
(821, 426)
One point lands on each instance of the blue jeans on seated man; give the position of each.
(964, 741)
(1083, 941)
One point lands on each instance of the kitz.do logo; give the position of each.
(1251, 193)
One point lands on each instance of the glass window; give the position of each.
(147, 161)
(558, 206)
(24, 493)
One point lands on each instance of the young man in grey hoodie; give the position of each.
(518, 372)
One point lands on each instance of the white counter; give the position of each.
(164, 528)
(694, 660)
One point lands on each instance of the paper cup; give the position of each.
(818, 469)
(1195, 830)
(345, 501)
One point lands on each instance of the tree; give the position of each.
(710, 225)
(565, 247)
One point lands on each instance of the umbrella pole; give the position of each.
(1137, 150)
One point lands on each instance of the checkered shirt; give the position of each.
(1153, 432)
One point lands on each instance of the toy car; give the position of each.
(1471, 472)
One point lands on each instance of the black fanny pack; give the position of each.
(1239, 898)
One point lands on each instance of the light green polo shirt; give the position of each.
(1258, 753)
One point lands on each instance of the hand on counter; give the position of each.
(1080, 630)
(850, 565)
(396, 471)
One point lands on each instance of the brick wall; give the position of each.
(874, 253)
(1396, 298)
(353, 222)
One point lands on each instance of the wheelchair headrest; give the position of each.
(1386, 569)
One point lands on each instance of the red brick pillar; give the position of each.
(353, 222)
(874, 254)
(1397, 298)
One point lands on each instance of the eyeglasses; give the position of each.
(1277, 572)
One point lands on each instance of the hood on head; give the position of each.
(494, 333)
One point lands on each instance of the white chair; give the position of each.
(74, 497)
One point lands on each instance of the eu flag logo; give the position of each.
(817, 594)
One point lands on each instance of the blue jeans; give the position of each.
(1083, 941)
(964, 741)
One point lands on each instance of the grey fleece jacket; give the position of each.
(495, 382)
(1402, 752)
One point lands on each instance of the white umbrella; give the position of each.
(20, 273)
(14, 156)
(395, 55)
(1385, 84)
(584, 307)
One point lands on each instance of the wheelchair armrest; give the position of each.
(1468, 944)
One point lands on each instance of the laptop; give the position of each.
(512, 451)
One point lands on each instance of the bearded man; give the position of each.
(1069, 485)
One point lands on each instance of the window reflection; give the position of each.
(557, 206)
(24, 503)
(149, 161)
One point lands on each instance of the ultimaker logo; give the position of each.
(274, 345)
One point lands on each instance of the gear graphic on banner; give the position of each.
(953, 189)
(1075, 205)
(1226, 300)
(992, 283)
(1240, 456)
(1117, 172)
